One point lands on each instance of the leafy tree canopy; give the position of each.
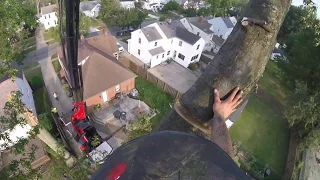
(297, 19)
(171, 6)
(14, 17)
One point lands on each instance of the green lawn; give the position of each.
(41, 101)
(26, 43)
(30, 49)
(263, 132)
(273, 82)
(56, 65)
(154, 97)
(30, 66)
(54, 56)
(35, 79)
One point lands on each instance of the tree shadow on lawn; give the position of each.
(264, 132)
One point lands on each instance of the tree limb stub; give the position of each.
(240, 62)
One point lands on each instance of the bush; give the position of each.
(66, 87)
(36, 83)
(162, 18)
(193, 66)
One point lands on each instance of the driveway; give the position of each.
(177, 76)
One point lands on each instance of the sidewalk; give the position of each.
(53, 84)
(41, 43)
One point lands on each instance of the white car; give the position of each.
(120, 48)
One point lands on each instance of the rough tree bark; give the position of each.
(240, 62)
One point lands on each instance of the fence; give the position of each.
(142, 70)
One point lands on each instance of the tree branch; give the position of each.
(240, 62)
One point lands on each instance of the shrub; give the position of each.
(36, 83)
(193, 66)
(162, 18)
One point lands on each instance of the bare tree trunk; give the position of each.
(240, 62)
(38, 4)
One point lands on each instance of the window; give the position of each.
(198, 33)
(168, 52)
(181, 56)
(45, 17)
(55, 22)
(48, 23)
(155, 44)
(198, 46)
(175, 53)
(157, 56)
(171, 41)
(139, 51)
(180, 43)
(194, 57)
(139, 40)
(163, 55)
(117, 88)
(49, 15)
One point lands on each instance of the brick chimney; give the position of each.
(201, 19)
(105, 32)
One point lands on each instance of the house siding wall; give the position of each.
(125, 87)
(186, 49)
(49, 20)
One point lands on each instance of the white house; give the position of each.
(154, 5)
(90, 8)
(161, 41)
(7, 86)
(189, 3)
(48, 16)
(222, 26)
(127, 4)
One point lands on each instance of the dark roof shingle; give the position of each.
(100, 73)
(151, 33)
(49, 9)
(186, 36)
(217, 40)
(204, 26)
(156, 50)
(228, 22)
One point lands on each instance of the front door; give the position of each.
(105, 96)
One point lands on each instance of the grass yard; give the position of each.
(34, 78)
(26, 43)
(154, 97)
(56, 65)
(30, 66)
(273, 82)
(263, 132)
(30, 49)
(55, 56)
(41, 101)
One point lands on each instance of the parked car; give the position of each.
(120, 48)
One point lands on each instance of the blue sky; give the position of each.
(300, 2)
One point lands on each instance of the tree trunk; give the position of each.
(240, 62)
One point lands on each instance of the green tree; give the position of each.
(190, 12)
(130, 17)
(138, 4)
(109, 10)
(221, 7)
(171, 6)
(303, 114)
(297, 19)
(14, 16)
(20, 168)
(139, 127)
(204, 12)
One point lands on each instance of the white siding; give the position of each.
(186, 49)
(27, 97)
(49, 20)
